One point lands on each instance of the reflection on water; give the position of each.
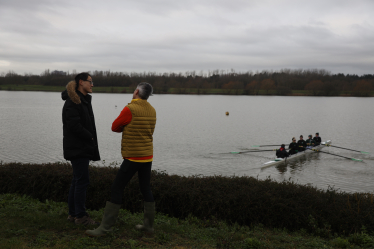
(282, 168)
(193, 135)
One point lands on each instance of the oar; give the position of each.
(354, 159)
(265, 145)
(234, 152)
(363, 152)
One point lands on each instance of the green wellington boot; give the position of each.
(109, 219)
(149, 217)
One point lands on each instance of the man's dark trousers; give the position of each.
(78, 187)
(124, 175)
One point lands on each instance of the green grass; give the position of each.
(28, 223)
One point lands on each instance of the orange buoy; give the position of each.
(227, 113)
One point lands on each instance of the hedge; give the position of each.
(244, 200)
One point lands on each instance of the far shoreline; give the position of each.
(179, 91)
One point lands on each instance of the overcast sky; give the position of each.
(180, 36)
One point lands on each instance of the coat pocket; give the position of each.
(89, 146)
(72, 143)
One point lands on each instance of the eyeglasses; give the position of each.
(91, 82)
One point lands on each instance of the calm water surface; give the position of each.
(194, 136)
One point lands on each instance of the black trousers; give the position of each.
(78, 187)
(124, 175)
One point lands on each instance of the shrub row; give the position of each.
(244, 200)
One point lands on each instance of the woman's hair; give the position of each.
(81, 76)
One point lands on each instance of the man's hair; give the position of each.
(145, 90)
(80, 76)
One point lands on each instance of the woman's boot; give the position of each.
(109, 219)
(149, 217)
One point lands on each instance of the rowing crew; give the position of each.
(301, 145)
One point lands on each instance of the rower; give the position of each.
(282, 152)
(293, 147)
(301, 143)
(317, 139)
(310, 142)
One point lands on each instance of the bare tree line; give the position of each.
(318, 82)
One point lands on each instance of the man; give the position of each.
(317, 139)
(137, 122)
(310, 142)
(79, 143)
(301, 143)
(293, 147)
(282, 152)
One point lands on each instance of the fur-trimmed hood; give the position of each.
(71, 93)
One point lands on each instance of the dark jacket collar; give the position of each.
(85, 99)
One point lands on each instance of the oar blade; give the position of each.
(356, 160)
(364, 152)
(235, 152)
(256, 146)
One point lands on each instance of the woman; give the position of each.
(301, 143)
(293, 147)
(310, 142)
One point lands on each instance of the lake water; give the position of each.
(194, 136)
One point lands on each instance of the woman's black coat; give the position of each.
(79, 130)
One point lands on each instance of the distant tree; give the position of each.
(283, 90)
(252, 88)
(329, 89)
(207, 85)
(363, 88)
(233, 85)
(158, 85)
(315, 86)
(267, 85)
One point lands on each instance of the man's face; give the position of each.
(301, 138)
(87, 85)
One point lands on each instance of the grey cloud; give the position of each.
(186, 35)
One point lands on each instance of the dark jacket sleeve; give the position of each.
(73, 122)
(317, 140)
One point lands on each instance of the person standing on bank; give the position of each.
(137, 122)
(79, 143)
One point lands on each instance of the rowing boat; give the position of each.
(277, 161)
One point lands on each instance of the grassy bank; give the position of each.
(108, 89)
(29, 223)
(243, 200)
